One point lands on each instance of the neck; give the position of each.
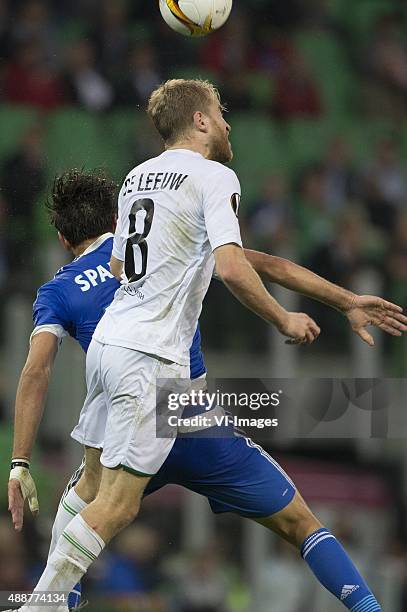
(191, 145)
(81, 248)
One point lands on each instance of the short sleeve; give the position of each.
(221, 198)
(50, 308)
(120, 235)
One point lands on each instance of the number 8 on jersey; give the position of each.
(140, 218)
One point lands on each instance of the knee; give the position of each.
(88, 485)
(297, 528)
(295, 523)
(121, 514)
(304, 527)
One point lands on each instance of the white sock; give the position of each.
(78, 546)
(68, 508)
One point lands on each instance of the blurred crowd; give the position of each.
(101, 54)
(137, 573)
(340, 209)
(144, 570)
(294, 61)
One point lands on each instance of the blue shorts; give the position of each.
(234, 473)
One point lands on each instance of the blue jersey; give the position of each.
(74, 301)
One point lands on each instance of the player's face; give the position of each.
(220, 149)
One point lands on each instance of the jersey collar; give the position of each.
(95, 245)
(185, 151)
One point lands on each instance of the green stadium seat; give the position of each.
(330, 68)
(76, 138)
(403, 141)
(123, 127)
(14, 121)
(261, 89)
(71, 31)
(259, 151)
(359, 17)
(43, 230)
(307, 140)
(363, 136)
(195, 72)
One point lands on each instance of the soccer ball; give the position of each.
(195, 17)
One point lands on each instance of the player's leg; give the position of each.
(237, 475)
(294, 523)
(80, 490)
(132, 453)
(88, 484)
(116, 506)
(69, 506)
(324, 555)
(84, 484)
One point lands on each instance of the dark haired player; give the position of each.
(83, 211)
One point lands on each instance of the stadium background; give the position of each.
(317, 92)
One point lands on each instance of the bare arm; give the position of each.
(31, 392)
(360, 310)
(116, 267)
(243, 281)
(30, 400)
(299, 279)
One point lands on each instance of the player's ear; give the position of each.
(200, 121)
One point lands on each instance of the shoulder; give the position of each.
(218, 168)
(52, 291)
(140, 168)
(218, 173)
(58, 288)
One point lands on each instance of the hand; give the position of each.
(21, 486)
(300, 328)
(367, 310)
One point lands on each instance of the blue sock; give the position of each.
(74, 598)
(331, 565)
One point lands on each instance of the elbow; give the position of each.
(229, 273)
(35, 372)
(273, 269)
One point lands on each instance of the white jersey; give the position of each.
(174, 211)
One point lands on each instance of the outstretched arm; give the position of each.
(242, 280)
(360, 310)
(292, 276)
(30, 399)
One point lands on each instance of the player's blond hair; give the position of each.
(173, 104)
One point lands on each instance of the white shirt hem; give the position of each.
(150, 349)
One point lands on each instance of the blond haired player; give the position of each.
(176, 219)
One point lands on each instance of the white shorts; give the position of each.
(119, 413)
